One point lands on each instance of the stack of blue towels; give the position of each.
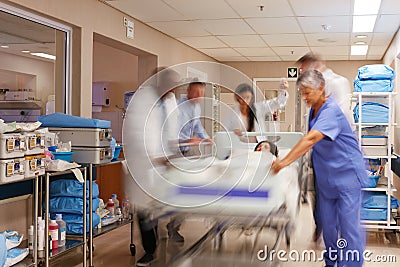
(66, 199)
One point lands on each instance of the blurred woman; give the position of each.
(248, 115)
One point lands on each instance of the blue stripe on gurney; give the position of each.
(214, 192)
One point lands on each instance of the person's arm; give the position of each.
(301, 148)
(270, 105)
(199, 130)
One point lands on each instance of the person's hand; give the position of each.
(208, 141)
(238, 132)
(276, 166)
(195, 141)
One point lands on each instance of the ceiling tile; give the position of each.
(358, 57)
(332, 50)
(225, 26)
(274, 25)
(179, 28)
(387, 23)
(287, 51)
(333, 57)
(367, 39)
(377, 50)
(290, 58)
(381, 38)
(285, 39)
(255, 51)
(204, 9)
(321, 8)
(270, 58)
(390, 7)
(220, 52)
(202, 42)
(327, 39)
(242, 40)
(149, 10)
(231, 59)
(314, 24)
(250, 8)
(374, 57)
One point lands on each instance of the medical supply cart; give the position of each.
(374, 126)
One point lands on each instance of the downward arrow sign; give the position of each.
(292, 73)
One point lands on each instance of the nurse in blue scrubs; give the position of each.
(339, 168)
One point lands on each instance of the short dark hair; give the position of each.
(309, 57)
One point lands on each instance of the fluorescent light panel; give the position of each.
(44, 55)
(364, 23)
(366, 7)
(359, 50)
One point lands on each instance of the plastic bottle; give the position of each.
(30, 238)
(115, 200)
(62, 230)
(126, 209)
(111, 207)
(53, 230)
(40, 234)
(50, 104)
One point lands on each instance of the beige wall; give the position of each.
(42, 73)
(94, 16)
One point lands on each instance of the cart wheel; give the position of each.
(132, 248)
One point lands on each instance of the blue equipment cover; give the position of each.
(372, 113)
(72, 205)
(68, 121)
(3, 250)
(74, 223)
(373, 214)
(373, 85)
(376, 72)
(378, 200)
(71, 188)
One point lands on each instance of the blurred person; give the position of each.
(339, 168)
(150, 128)
(336, 85)
(191, 132)
(248, 115)
(267, 146)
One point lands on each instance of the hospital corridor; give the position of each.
(208, 133)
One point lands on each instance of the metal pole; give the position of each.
(46, 215)
(84, 218)
(90, 215)
(35, 219)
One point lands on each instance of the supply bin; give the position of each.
(85, 137)
(34, 164)
(12, 170)
(12, 145)
(35, 143)
(94, 155)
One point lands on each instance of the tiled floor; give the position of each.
(237, 248)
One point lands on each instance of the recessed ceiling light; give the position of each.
(25, 51)
(360, 43)
(366, 7)
(4, 46)
(44, 55)
(361, 36)
(359, 50)
(326, 40)
(364, 23)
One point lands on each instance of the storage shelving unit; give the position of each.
(70, 243)
(387, 99)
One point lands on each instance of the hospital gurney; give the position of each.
(235, 186)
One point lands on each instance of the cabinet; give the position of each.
(374, 126)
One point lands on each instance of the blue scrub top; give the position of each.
(337, 158)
